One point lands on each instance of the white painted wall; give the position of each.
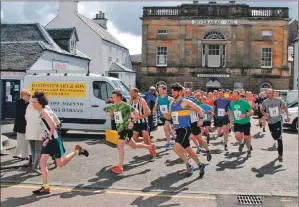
(295, 81)
(45, 62)
(128, 78)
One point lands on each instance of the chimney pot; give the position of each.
(232, 2)
(195, 2)
(103, 15)
(97, 16)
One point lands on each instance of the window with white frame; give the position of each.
(73, 47)
(162, 31)
(267, 33)
(162, 56)
(266, 61)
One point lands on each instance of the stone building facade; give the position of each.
(210, 46)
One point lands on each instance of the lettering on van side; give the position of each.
(56, 103)
(67, 110)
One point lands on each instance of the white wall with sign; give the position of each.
(295, 80)
(54, 61)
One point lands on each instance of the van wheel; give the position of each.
(63, 132)
(295, 125)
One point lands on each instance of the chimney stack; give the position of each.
(101, 20)
(195, 2)
(232, 2)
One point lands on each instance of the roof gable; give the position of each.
(104, 34)
(62, 33)
(136, 58)
(21, 32)
(116, 67)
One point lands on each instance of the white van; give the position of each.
(288, 96)
(78, 99)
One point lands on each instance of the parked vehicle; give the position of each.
(293, 111)
(288, 96)
(78, 99)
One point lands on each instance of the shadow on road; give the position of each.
(268, 169)
(258, 135)
(235, 164)
(272, 148)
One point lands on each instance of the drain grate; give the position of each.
(249, 200)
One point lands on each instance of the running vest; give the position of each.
(180, 116)
(46, 128)
(193, 114)
(141, 111)
(163, 105)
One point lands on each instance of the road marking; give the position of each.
(116, 192)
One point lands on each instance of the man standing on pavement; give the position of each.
(241, 111)
(180, 113)
(140, 125)
(271, 108)
(121, 112)
(259, 102)
(22, 149)
(150, 98)
(221, 107)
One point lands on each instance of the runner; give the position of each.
(162, 105)
(205, 129)
(141, 125)
(241, 111)
(271, 108)
(52, 143)
(121, 112)
(262, 119)
(196, 129)
(251, 99)
(221, 119)
(180, 114)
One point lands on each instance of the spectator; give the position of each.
(150, 98)
(22, 149)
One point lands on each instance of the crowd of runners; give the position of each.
(186, 115)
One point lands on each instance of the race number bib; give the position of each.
(163, 109)
(205, 118)
(175, 117)
(118, 117)
(237, 114)
(221, 112)
(274, 112)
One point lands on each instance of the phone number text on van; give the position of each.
(67, 110)
(56, 103)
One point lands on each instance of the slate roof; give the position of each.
(136, 58)
(116, 67)
(62, 33)
(23, 44)
(103, 33)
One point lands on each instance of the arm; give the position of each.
(285, 109)
(155, 106)
(147, 111)
(168, 115)
(193, 107)
(170, 99)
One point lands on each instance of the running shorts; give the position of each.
(206, 123)
(243, 128)
(126, 134)
(139, 127)
(221, 122)
(182, 137)
(163, 120)
(54, 148)
(195, 130)
(276, 130)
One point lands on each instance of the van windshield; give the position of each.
(122, 87)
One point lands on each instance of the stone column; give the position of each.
(221, 54)
(206, 54)
(144, 45)
(247, 45)
(182, 36)
(234, 45)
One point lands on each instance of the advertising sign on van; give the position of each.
(60, 89)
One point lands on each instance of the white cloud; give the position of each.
(2, 15)
(132, 42)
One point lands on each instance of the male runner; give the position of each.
(162, 105)
(121, 112)
(259, 102)
(196, 127)
(251, 100)
(141, 125)
(180, 114)
(205, 129)
(221, 107)
(241, 111)
(52, 144)
(271, 108)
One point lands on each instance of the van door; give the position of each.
(100, 92)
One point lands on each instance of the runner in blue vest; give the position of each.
(180, 113)
(162, 105)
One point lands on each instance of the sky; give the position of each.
(123, 17)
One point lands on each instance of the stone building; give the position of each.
(210, 46)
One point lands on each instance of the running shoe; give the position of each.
(249, 153)
(280, 159)
(200, 146)
(168, 146)
(81, 151)
(201, 168)
(42, 191)
(189, 170)
(225, 147)
(152, 159)
(198, 151)
(261, 125)
(117, 170)
(208, 139)
(209, 156)
(264, 130)
(241, 146)
(37, 171)
(251, 148)
(153, 151)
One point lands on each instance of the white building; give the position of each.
(31, 48)
(96, 42)
(295, 76)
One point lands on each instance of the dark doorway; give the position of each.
(212, 89)
(10, 94)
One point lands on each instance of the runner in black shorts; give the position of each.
(121, 112)
(262, 119)
(205, 129)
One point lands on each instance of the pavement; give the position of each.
(161, 183)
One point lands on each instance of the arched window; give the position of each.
(214, 35)
(265, 86)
